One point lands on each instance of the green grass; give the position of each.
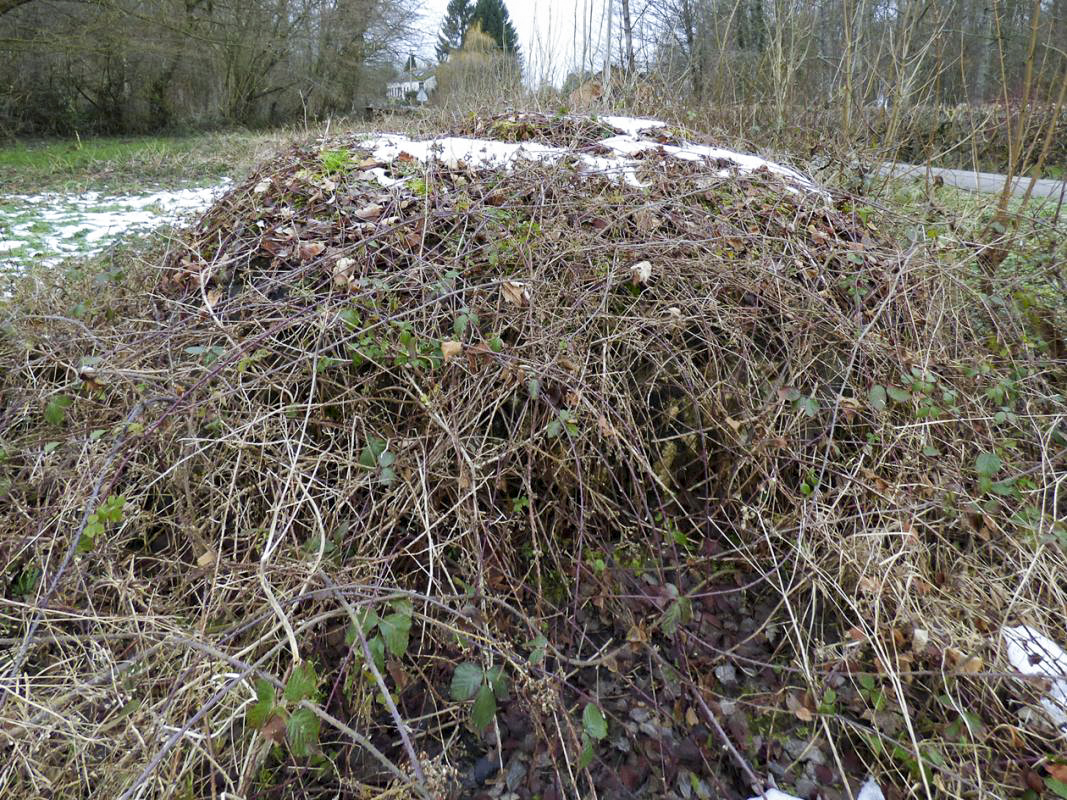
(124, 163)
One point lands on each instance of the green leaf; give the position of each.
(498, 681)
(586, 757)
(372, 452)
(302, 682)
(367, 619)
(56, 410)
(1059, 788)
(302, 731)
(377, 651)
(987, 464)
(351, 318)
(260, 712)
(899, 395)
(394, 629)
(678, 612)
(593, 722)
(808, 405)
(466, 680)
(537, 653)
(484, 708)
(877, 397)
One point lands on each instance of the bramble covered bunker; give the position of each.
(558, 456)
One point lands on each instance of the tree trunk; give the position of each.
(628, 33)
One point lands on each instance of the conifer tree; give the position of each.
(493, 16)
(458, 16)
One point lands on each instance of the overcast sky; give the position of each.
(551, 33)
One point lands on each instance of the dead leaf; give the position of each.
(973, 665)
(212, 298)
(691, 718)
(369, 212)
(867, 585)
(450, 349)
(398, 674)
(275, 730)
(919, 639)
(605, 427)
(645, 220)
(1057, 771)
(309, 250)
(515, 293)
(262, 186)
(206, 559)
(796, 704)
(342, 271)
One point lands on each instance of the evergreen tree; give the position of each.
(458, 17)
(493, 16)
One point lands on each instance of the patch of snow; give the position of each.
(58, 225)
(487, 153)
(774, 794)
(1033, 653)
(632, 125)
(870, 791)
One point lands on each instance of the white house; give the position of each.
(414, 85)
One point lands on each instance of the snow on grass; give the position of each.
(1033, 653)
(488, 153)
(47, 228)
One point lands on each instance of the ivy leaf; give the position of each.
(484, 708)
(302, 731)
(302, 683)
(465, 681)
(987, 464)
(593, 722)
(260, 712)
(877, 397)
(56, 410)
(394, 629)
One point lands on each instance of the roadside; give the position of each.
(971, 181)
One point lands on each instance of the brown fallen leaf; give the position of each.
(212, 298)
(275, 730)
(342, 271)
(973, 665)
(515, 293)
(369, 212)
(795, 703)
(309, 250)
(450, 349)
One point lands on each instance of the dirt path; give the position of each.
(978, 181)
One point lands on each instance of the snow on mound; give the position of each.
(618, 162)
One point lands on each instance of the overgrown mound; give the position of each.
(447, 478)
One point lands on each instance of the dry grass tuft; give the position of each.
(777, 490)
